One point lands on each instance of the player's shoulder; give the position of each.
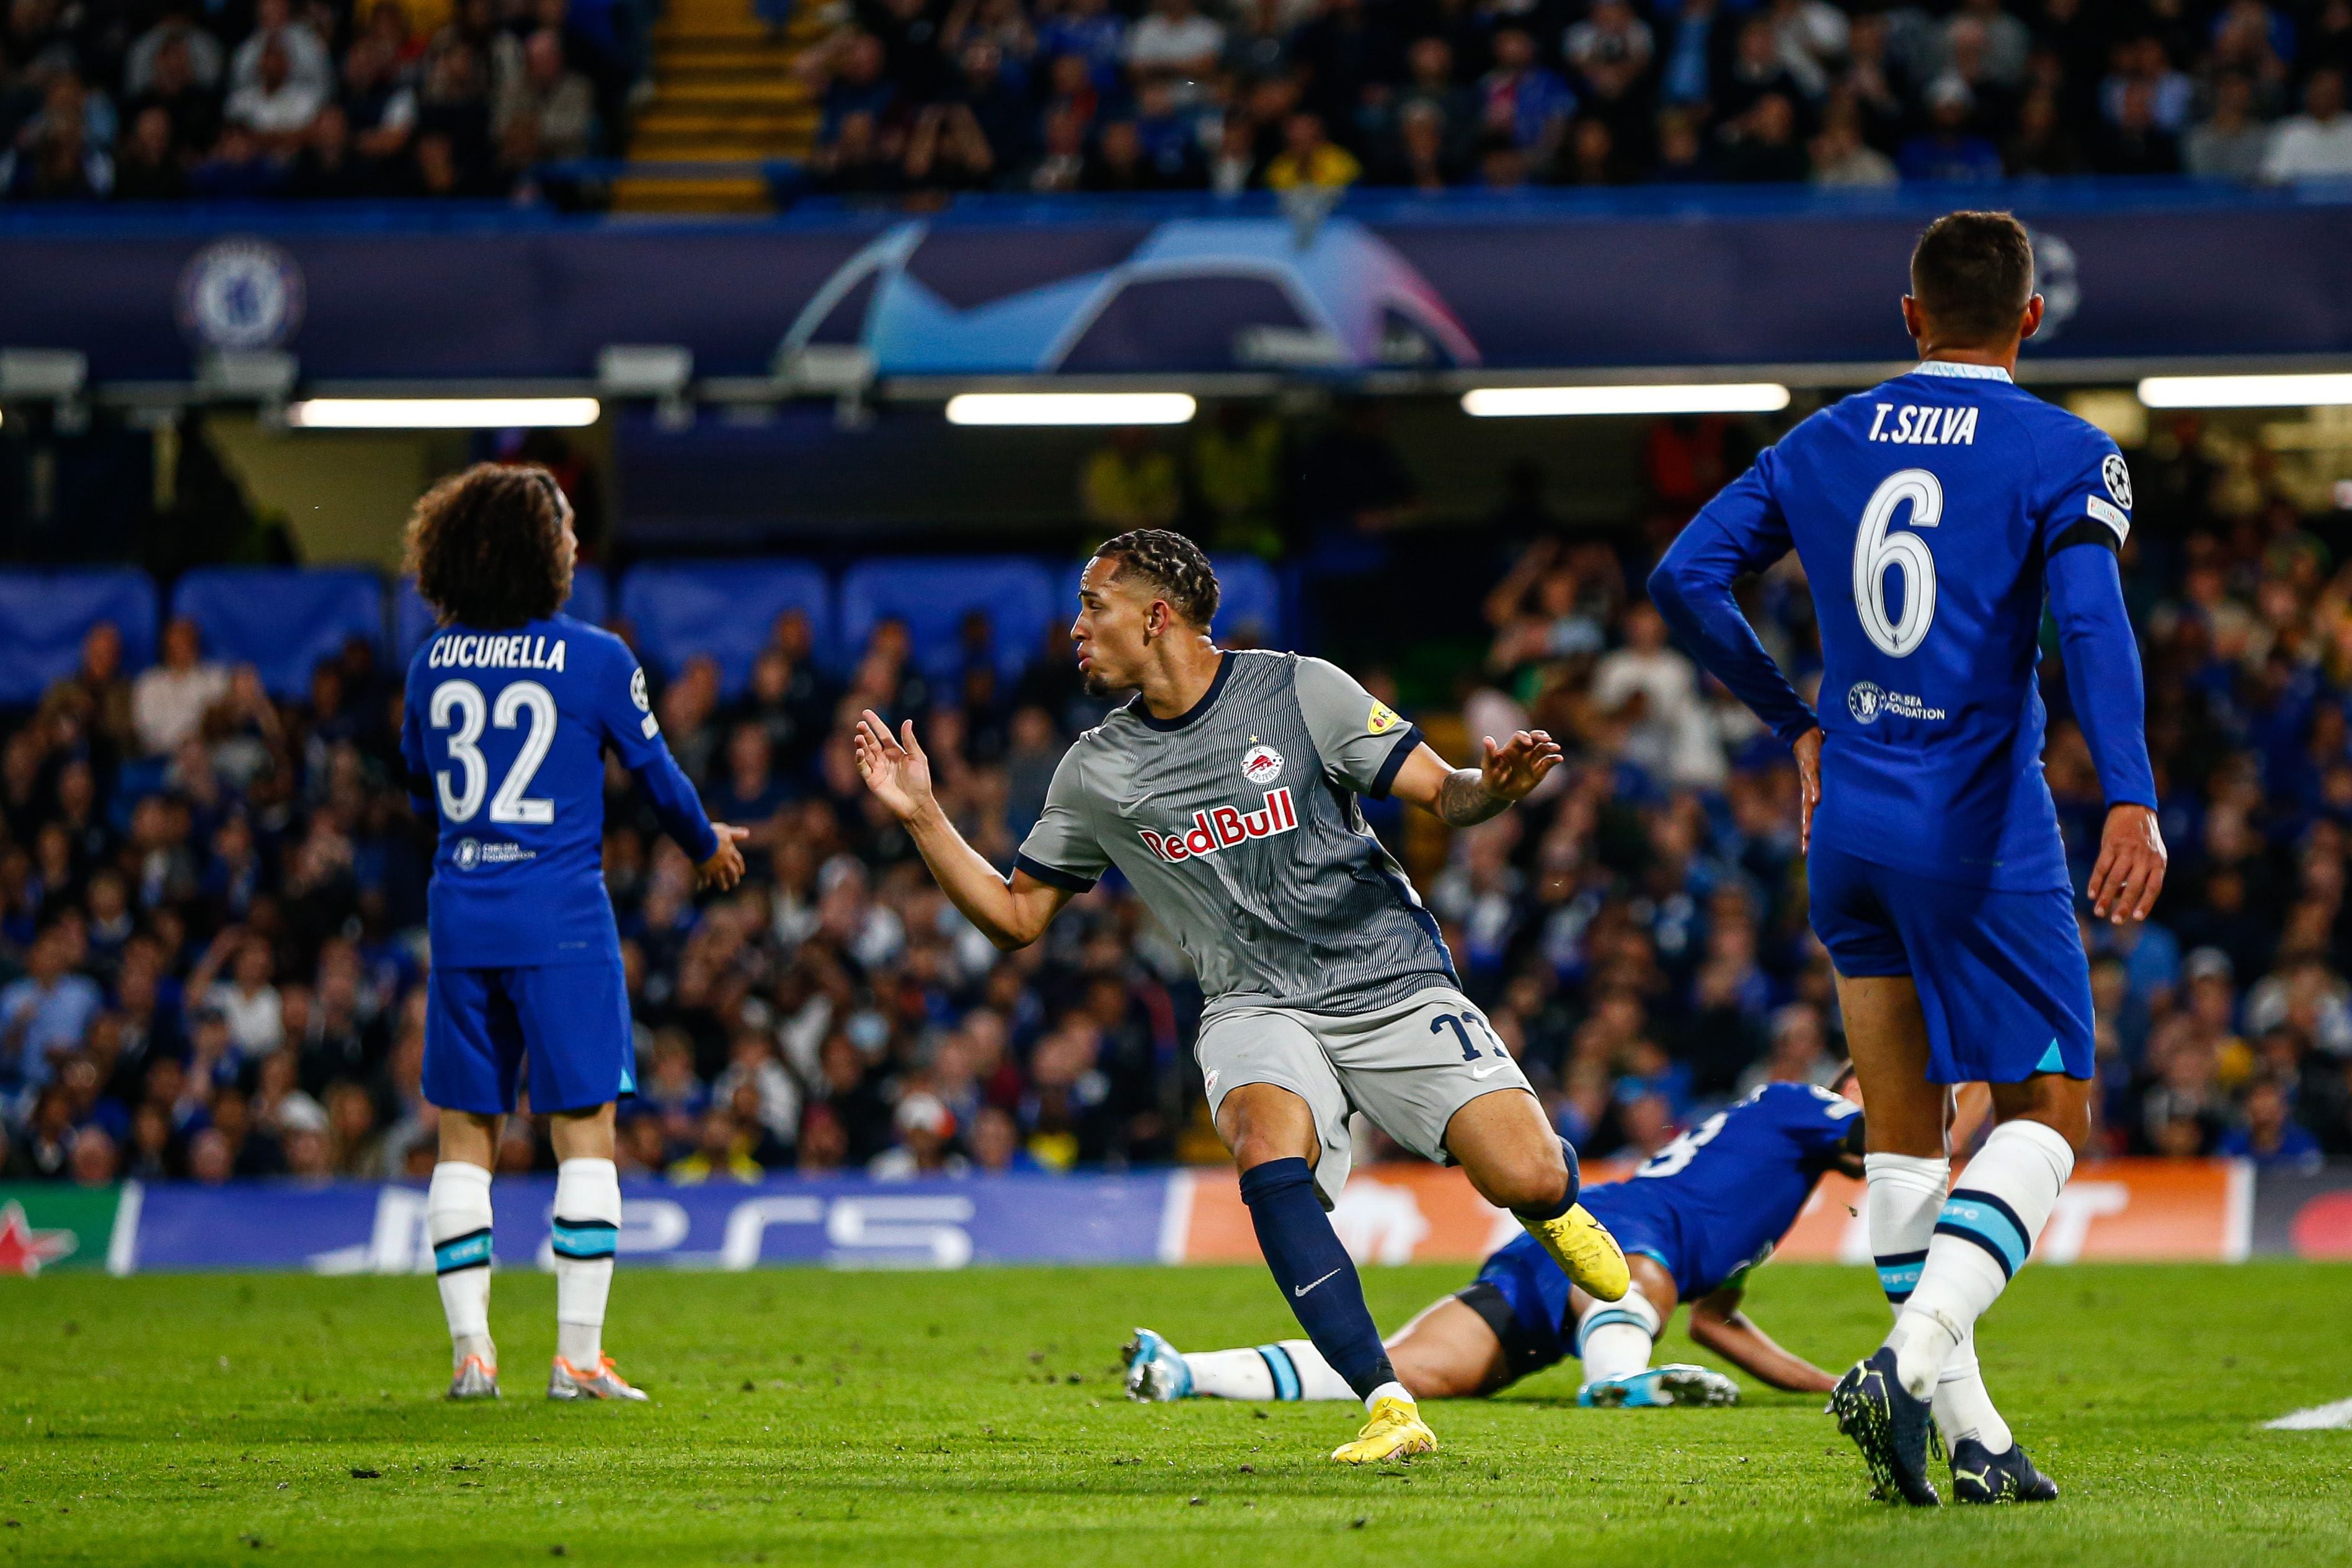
(1810, 1101)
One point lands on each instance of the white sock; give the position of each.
(1293, 1369)
(1964, 1409)
(1983, 1236)
(457, 1221)
(1906, 1193)
(587, 1224)
(1613, 1338)
(1389, 1390)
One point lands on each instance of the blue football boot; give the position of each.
(2007, 1476)
(1889, 1426)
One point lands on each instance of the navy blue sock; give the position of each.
(1575, 1188)
(1315, 1272)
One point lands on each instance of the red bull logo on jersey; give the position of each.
(1222, 827)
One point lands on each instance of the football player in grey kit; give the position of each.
(1225, 791)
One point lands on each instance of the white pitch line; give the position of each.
(2318, 1419)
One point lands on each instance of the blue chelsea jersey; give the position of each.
(1739, 1180)
(506, 730)
(1924, 511)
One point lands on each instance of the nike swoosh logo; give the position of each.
(1302, 1290)
(1489, 1072)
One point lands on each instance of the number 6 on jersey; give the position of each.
(1875, 550)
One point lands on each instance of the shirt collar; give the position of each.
(1966, 372)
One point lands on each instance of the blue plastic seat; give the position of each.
(44, 615)
(283, 621)
(725, 609)
(412, 618)
(1249, 595)
(932, 594)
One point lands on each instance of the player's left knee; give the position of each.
(1526, 1182)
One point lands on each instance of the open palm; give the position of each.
(893, 767)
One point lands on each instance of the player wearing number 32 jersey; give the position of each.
(1935, 515)
(508, 709)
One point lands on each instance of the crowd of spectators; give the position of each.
(211, 901)
(942, 95)
(146, 100)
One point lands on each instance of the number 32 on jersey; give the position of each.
(459, 707)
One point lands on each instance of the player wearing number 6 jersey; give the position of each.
(510, 706)
(1933, 514)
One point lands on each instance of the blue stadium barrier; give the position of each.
(412, 618)
(932, 594)
(725, 609)
(283, 621)
(44, 615)
(1249, 594)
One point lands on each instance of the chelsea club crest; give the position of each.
(240, 295)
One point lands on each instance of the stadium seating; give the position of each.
(934, 593)
(412, 618)
(724, 609)
(44, 615)
(281, 620)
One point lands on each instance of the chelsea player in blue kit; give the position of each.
(1694, 1220)
(510, 706)
(1933, 516)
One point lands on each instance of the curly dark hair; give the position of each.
(487, 547)
(1173, 565)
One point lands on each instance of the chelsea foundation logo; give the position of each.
(469, 855)
(1261, 765)
(1867, 699)
(240, 295)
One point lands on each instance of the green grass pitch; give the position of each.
(874, 1419)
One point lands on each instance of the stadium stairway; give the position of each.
(723, 90)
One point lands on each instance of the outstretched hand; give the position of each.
(893, 767)
(1514, 769)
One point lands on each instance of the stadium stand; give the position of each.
(526, 98)
(212, 881)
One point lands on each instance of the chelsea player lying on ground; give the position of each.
(1694, 1220)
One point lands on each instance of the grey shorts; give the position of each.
(1409, 1066)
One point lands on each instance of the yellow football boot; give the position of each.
(1585, 1252)
(1395, 1431)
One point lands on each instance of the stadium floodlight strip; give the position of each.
(1666, 397)
(2246, 392)
(441, 413)
(1071, 408)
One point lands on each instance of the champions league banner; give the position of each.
(1166, 286)
(2116, 1210)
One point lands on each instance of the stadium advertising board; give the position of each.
(1387, 283)
(2119, 1211)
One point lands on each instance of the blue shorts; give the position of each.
(572, 1019)
(2001, 976)
(1523, 1296)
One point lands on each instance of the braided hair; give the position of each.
(1173, 565)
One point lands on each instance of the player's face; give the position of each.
(1113, 628)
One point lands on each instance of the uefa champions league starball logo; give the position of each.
(240, 295)
(467, 855)
(1863, 700)
(2058, 279)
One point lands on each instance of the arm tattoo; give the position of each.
(1464, 799)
